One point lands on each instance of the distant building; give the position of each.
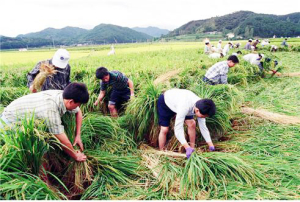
(230, 35)
(23, 49)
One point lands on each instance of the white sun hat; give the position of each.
(61, 58)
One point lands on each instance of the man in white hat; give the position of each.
(219, 46)
(57, 81)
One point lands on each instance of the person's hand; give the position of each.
(80, 156)
(32, 89)
(78, 142)
(212, 148)
(189, 151)
(97, 102)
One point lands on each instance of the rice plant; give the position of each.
(143, 111)
(211, 170)
(25, 186)
(25, 146)
(102, 132)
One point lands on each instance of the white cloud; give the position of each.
(24, 16)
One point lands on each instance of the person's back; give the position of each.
(43, 104)
(253, 58)
(56, 81)
(226, 48)
(284, 43)
(182, 97)
(215, 55)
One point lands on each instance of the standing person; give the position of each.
(248, 44)
(50, 106)
(227, 48)
(57, 81)
(217, 74)
(122, 88)
(184, 104)
(284, 43)
(219, 46)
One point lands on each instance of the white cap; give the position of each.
(61, 58)
(206, 41)
(220, 40)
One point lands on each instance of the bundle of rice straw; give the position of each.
(46, 70)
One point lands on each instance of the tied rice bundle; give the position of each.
(46, 70)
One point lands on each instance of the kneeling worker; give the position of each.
(184, 104)
(51, 105)
(217, 74)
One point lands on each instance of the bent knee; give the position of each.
(191, 123)
(111, 107)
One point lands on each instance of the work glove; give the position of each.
(189, 151)
(212, 148)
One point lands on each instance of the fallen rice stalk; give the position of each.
(274, 117)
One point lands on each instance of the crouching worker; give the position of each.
(217, 74)
(184, 104)
(50, 106)
(255, 59)
(122, 88)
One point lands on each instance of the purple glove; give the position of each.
(189, 151)
(212, 148)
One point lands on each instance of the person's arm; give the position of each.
(100, 97)
(78, 130)
(68, 75)
(223, 75)
(223, 78)
(179, 129)
(130, 84)
(205, 132)
(31, 76)
(68, 148)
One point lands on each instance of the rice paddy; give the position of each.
(254, 159)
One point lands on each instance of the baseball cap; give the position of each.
(61, 58)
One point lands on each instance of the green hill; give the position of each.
(106, 33)
(63, 36)
(152, 31)
(244, 23)
(103, 33)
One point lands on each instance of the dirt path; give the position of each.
(293, 74)
(166, 77)
(274, 117)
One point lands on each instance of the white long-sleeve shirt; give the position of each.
(182, 102)
(226, 49)
(252, 58)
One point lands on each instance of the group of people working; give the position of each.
(59, 95)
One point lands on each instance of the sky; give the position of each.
(26, 16)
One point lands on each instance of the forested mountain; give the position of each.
(106, 33)
(152, 31)
(103, 33)
(245, 24)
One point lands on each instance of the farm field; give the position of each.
(255, 159)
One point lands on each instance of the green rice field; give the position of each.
(255, 158)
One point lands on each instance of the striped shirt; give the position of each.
(58, 81)
(218, 72)
(46, 105)
(117, 80)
